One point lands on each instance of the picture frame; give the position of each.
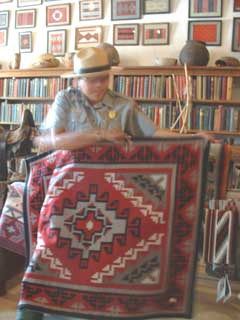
(58, 15)
(208, 31)
(3, 37)
(56, 42)
(88, 36)
(236, 5)
(155, 34)
(4, 19)
(156, 6)
(28, 3)
(90, 10)
(126, 34)
(236, 34)
(25, 18)
(25, 41)
(125, 9)
(204, 8)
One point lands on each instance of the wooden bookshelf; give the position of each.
(34, 89)
(215, 106)
(213, 94)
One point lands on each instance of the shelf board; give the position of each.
(178, 69)
(194, 101)
(28, 99)
(33, 73)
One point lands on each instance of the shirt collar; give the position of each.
(106, 102)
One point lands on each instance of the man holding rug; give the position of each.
(90, 114)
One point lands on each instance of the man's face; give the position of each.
(94, 88)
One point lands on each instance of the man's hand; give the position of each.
(115, 135)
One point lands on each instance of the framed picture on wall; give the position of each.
(156, 6)
(25, 41)
(126, 34)
(4, 19)
(3, 37)
(87, 36)
(236, 5)
(155, 34)
(25, 18)
(56, 42)
(27, 3)
(125, 9)
(58, 15)
(208, 31)
(205, 8)
(90, 9)
(236, 34)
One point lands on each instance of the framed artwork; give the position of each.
(58, 15)
(125, 9)
(236, 34)
(90, 9)
(126, 34)
(3, 37)
(27, 3)
(25, 18)
(156, 6)
(4, 19)
(155, 34)
(208, 31)
(236, 5)
(25, 41)
(56, 42)
(87, 36)
(205, 8)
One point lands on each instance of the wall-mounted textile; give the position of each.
(112, 231)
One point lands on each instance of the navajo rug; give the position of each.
(11, 220)
(215, 170)
(112, 232)
(221, 224)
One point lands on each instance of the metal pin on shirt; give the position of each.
(112, 114)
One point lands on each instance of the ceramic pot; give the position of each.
(15, 63)
(194, 53)
(227, 61)
(68, 59)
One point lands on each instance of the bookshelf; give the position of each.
(215, 99)
(214, 95)
(34, 89)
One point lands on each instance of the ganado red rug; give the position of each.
(112, 231)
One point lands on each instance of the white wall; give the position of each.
(129, 55)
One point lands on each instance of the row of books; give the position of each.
(202, 117)
(25, 87)
(169, 87)
(12, 113)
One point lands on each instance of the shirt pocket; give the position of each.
(78, 121)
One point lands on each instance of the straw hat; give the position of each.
(89, 62)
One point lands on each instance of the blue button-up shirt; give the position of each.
(72, 111)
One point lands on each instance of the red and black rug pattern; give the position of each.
(112, 231)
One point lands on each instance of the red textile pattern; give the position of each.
(11, 220)
(113, 231)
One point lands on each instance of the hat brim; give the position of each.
(85, 75)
